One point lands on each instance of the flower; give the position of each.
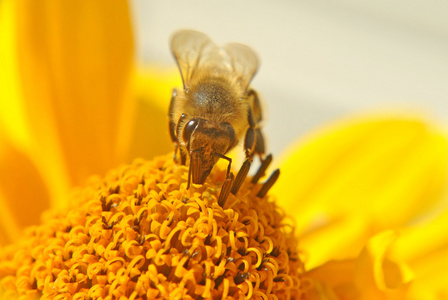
(140, 234)
(365, 195)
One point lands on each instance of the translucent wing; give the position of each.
(195, 52)
(242, 61)
(187, 47)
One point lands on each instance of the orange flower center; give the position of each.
(139, 233)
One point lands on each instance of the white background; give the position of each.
(320, 60)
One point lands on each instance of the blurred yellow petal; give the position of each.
(434, 231)
(23, 195)
(425, 247)
(152, 89)
(335, 239)
(373, 275)
(366, 166)
(75, 61)
(376, 275)
(12, 114)
(333, 280)
(431, 273)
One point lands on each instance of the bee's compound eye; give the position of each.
(189, 128)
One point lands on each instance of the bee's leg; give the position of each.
(195, 165)
(189, 173)
(173, 124)
(262, 169)
(254, 103)
(250, 138)
(260, 150)
(268, 184)
(226, 158)
(224, 194)
(228, 183)
(242, 174)
(249, 146)
(175, 142)
(253, 143)
(173, 127)
(183, 158)
(259, 143)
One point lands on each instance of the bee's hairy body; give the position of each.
(216, 100)
(216, 107)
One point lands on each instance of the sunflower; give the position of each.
(364, 197)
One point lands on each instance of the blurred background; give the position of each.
(320, 60)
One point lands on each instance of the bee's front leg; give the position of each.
(173, 124)
(228, 183)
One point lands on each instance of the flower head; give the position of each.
(365, 197)
(139, 233)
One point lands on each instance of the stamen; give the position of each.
(268, 184)
(241, 176)
(224, 194)
(262, 169)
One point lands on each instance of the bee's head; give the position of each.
(206, 143)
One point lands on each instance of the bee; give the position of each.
(216, 108)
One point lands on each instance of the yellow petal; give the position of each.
(425, 246)
(431, 275)
(423, 238)
(76, 61)
(153, 88)
(370, 276)
(378, 277)
(23, 195)
(333, 280)
(12, 116)
(336, 239)
(379, 167)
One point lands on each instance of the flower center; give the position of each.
(139, 233)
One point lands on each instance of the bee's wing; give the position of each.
(188, 47)
(233, 60)
(241, 61)
(194, 51)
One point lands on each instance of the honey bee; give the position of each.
(216, 107)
